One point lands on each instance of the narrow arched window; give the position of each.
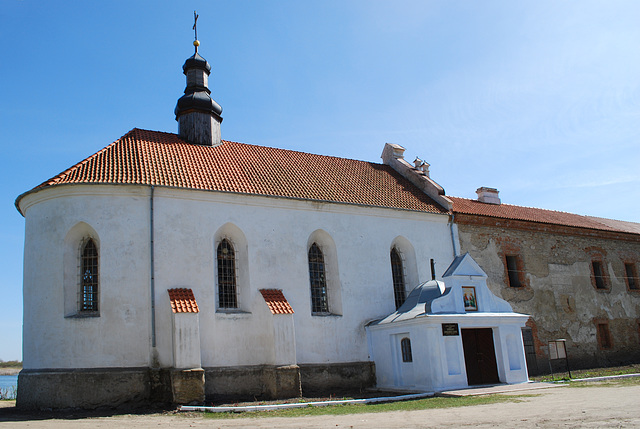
(319, 302)
(405, 348)
(397, 273)
(227, 297)
(89, 277)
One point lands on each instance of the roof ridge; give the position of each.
(544, 216)
(516, 205)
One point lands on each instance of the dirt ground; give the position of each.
(596, 406)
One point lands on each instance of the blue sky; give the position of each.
(538, 99)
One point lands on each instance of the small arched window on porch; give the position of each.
(227, 296)
(317, 278)
(405, 348)
(88, 300)
(397, 272)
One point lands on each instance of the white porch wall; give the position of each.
(438, 360)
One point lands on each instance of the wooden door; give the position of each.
(480, 356)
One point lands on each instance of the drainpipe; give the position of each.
(151, 257)
(456, 251)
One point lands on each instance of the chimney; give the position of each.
(488, 195)
(425, 168)
(198, 115)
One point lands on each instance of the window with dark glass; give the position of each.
(397, 273)
(632, 276)
(598, 275)
(405, 348)
(319, 302)
(227, 296)
(89, 277)
(513, 271)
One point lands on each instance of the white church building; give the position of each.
(174, 267)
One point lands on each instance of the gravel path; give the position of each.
(595, 406)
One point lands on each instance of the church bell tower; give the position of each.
(198, 115)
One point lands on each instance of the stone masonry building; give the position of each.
(577, 276)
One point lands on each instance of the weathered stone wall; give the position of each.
(278, 382)
(252, 382)
(86, 388)
(334, 378)
(187, 386)
(558, 289)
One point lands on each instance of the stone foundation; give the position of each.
(252, 382)
(266, 382)
(83, 388)
(108, 387)
(187, 386)
(337, 377)
(114, 387)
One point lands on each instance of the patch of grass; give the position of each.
(418, 404)
(8, 394)
(588, 373)
(616, 382)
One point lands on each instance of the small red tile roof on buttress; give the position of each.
(183, 301)
(276, 301)
(143, 157)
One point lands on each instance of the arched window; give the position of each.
(227, 297)
(405, 347)
(88, 301)
(319, 302)
(397, 273)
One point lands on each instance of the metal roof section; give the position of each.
(418, 303)
(464, 265)
(196, 94)
(446, 297)
(196, 61)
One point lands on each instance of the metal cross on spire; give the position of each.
(196, 43)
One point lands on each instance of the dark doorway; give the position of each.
(530, 351)
(480, 356)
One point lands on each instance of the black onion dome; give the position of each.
(197, 101)
(196, 62)
(196, 95)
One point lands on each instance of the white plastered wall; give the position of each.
(186, 340)
(187, 225)
(439, 360)
(278, 233)
(119, 337)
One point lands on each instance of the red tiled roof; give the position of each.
(183, 301)
(506, 211)
(163, 159)
(276, 301)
